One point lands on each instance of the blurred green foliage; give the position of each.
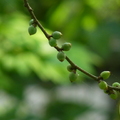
(66, 111)
(93, 28)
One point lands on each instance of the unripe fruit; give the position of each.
(56, 35)
(73, 76)
(61, 56)
(52, 42)
(69, 68)
(31, 22)
(32, 30)
(103, 85)
(105, 74)
(116, 84)
(66, 46)
(114, 95)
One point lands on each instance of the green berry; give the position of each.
(105, 74)
(66, 46)
(116, 84)
(103, 85)
(32, 30)
(114, 95)
(31, 22)
(73, 76)
(61, 56)
(56, 35)
(69, 68)
(52, 42)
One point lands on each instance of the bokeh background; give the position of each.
(34, 85)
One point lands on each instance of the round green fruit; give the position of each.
(103, 85)
(114, 95)
(116, 84)
(32, 30)
(69, 68)
(105, 74)
(56, 35)
(73, 76)
(66, 46)
(52, 42)
(61, 56)
(31, 22)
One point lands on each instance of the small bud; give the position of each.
(32, 30)
(61, 56)
(69, 68)
(52, 42)
(105, 91)
(31, 22)
(66, 46)
(105, 74)
(56, 35)
(103, 85)
(116, 84)
(114, 95)
(73, 76)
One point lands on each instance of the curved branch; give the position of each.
(26, 4)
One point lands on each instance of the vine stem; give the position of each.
(80, 69)
(26, 4)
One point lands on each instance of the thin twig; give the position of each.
(26, 4)
(80, 69)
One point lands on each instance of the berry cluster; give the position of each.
(61, 56)
(104, 86)
(113, 90)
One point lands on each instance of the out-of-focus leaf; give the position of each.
(58, 110)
